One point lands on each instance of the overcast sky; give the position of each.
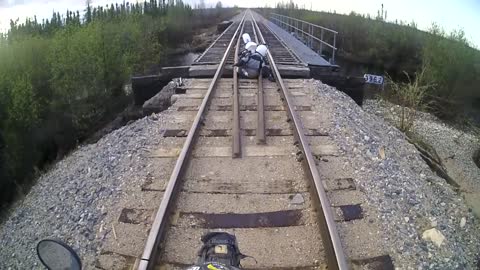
(450, 14)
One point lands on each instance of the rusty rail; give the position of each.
(236, 148)
(260, 134)
(335, 255)
(157, 231)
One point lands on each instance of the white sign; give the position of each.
(373, 79)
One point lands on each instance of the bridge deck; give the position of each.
(292, 56)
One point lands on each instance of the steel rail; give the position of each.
(157, 231)
(260, 134)
(331, 240)
(293, 53)
(236, 148)
(195, 62)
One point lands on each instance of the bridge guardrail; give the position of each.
(309, 33)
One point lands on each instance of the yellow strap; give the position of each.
(211, 267)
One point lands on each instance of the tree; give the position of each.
(218, 5)
(88, 12)
(60, 77)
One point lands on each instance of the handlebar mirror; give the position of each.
(56, 255)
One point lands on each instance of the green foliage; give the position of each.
(411, 96)
(455, 69)
(22, 70)
(93, 61)
(366, 41)
(178, 24)
(61, 77)
(444, 60)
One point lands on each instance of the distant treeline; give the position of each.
(450, 62)
(61, 77)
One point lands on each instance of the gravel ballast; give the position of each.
(410, 198)
(455, 147)
(70, 201)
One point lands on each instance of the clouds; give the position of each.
(50, 3)
(21, 9)
(16, 3)
(5, 3)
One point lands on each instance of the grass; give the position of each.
(411, 96)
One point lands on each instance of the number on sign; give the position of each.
(373, 79)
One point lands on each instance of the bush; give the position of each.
(22, 70)
(366, 41)
(61, 78)
(411, 96)
(454, 67)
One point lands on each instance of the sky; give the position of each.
(449, 14)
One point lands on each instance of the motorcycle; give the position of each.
(219, 252)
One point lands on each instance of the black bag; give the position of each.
(258, 57)
(220, 247)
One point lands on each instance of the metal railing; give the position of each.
(314, 36)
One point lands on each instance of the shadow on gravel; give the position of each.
(430, 156)
(476, 158)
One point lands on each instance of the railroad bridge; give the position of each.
(294, 58)
(250, 157)
(301, 50)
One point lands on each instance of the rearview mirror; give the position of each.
(56, 255)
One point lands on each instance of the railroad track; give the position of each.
(239, 171)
